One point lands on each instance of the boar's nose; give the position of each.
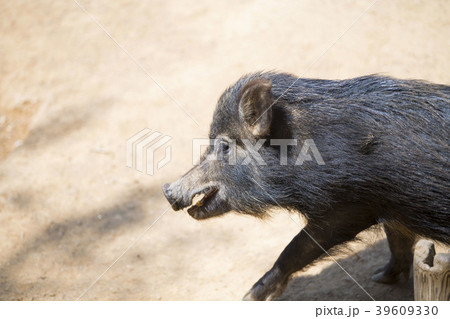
(167, 192)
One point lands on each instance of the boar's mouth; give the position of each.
(199, 200)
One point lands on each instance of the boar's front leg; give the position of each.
(304, 249)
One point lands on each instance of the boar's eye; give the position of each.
(223, 147)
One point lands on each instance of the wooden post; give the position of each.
(431, 273)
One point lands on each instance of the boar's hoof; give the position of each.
(389, 274)
(384, 278)
(269, 287)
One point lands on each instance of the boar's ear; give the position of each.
(255, 106)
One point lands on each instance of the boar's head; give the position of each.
(237, 171)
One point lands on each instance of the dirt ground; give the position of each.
(70, 98)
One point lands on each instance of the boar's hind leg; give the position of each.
(303, 250)
(401, 246)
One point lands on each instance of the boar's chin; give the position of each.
(201, 213)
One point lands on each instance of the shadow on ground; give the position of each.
(68, 245)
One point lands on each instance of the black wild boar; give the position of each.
(377, 151)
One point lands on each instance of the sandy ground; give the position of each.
(70, 98)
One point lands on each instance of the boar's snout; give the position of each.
(168, 193)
